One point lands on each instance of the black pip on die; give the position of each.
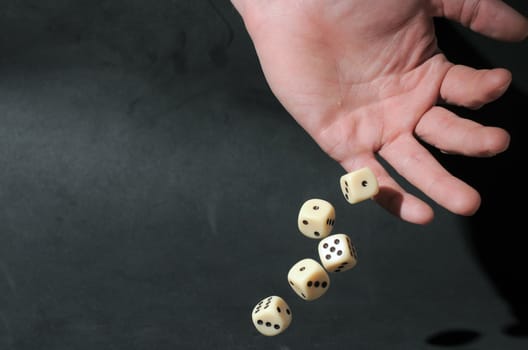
(316, 218)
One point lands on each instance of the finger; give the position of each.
(412, 161)
(391, 196)
(448, 132)
(492, 18)
(473, 88)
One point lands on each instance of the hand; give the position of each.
(365, 78)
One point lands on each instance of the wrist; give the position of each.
(240, 6)
(253, 12)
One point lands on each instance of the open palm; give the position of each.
(365, 79)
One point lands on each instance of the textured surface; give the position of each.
(150, 185)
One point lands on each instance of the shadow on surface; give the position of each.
(453, 337)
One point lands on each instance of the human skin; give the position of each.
(367, 81)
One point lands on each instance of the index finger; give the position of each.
(492, 18)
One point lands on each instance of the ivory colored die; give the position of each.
(337, 253)
(308, 279)
(316, 218)
(271, 315)
(359, 185)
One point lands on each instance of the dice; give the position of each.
(337, 253)
(308, 279)
(316, 218)
(271, 315)
(359, 185)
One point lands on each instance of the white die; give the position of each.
(271, 315)
(359, 185)
(308, 279)
(316, 218)
(337, 253)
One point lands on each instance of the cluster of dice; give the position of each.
(308, 278)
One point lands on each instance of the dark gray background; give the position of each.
(150, 186)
